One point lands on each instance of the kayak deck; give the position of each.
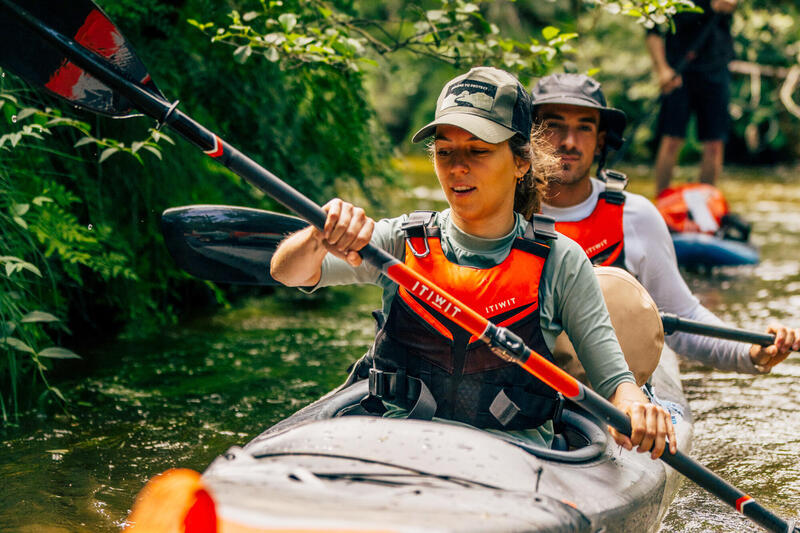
(319, 471)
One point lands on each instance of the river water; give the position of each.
(182, 398)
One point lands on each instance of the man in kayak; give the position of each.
(489, 251)
(617, 228)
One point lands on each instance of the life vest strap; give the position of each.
(405, 390)
(543, 228)
(505, 409)
(417, 219)
(399, 387)
(417, 225)
(615, 185)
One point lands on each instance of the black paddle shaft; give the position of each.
(673, 323)
(213, 146)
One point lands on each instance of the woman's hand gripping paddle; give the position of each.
(23, 25)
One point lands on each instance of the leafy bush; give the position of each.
(46, 251)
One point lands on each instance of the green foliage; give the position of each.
(112, 146)
(646, 13)
(317, 32)
(81, 201)
(46, 251)
(769, 40)
(375, 61)
(351, 34)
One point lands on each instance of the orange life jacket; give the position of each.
(420, 355)
(692, 208)
(600, 234)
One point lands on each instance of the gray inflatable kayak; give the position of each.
(324, 470)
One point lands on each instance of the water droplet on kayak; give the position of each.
(14, 118)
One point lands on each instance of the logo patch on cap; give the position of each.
(470, 93)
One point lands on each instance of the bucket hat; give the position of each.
(583, 91)
(487, 102)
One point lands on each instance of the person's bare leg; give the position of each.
(711, 166)
(667, 156)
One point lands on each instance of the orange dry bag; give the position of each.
(692, 208)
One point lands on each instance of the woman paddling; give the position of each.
(490, 252)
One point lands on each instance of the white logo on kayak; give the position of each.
(435, 299)
(491, 309)
(596, 247)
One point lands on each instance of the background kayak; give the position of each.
(704, 230)
(694, 250)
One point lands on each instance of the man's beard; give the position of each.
(562, 178)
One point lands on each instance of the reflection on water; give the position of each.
(182, 398)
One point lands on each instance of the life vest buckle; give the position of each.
(615, 185)
(377, 383)
(503, 408)
(416, 221)
(390, 385)
(544, 227)
(399, 387)
(424, 239)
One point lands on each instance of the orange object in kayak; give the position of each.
(692, 208)
(174, 502)
(177, 501)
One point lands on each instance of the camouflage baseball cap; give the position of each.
(487, 102)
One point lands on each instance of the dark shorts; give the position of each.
(705, 94)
